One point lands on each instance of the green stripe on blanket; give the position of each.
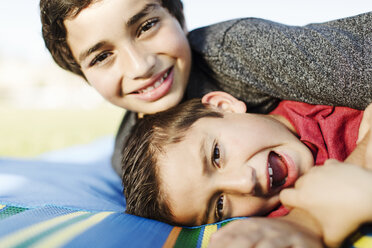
(7, 211)
(63, 227)
(54, 232)
(195, 237)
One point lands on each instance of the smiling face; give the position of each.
(231, 166)
(133, 52)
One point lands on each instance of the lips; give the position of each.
(154, 85)
(157, 88)
(282, 172)
(277, 171)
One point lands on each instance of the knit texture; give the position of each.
(255, 60)
(262, 62)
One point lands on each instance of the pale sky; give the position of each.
(20, 35)
(292, 12)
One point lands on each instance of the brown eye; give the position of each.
(216, 155)
(146, 26)
(219, 208)
(99, 58)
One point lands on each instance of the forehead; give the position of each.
(101, 8)
(103, 18)
(184, 159)
(181, 157)
(180, 171)
(129, 4)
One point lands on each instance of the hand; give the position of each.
(366, 123)
(362, 154)
(261, 232)
(337, 195)
(364, 136)
(368, 153)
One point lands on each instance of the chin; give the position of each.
(169, 103)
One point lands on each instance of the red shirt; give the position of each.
(329, 132)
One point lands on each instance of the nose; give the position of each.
(138, 62)
(241, 182)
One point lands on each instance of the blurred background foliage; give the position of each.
(28, 133)
(43, 108)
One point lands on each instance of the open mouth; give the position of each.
(158, 88)
(154, 85)
(277, 170)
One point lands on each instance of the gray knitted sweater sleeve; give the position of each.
(261, 62)
(325, 63)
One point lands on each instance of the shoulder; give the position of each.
(360, 21)
(210, 39)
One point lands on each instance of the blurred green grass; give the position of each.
(28, 133)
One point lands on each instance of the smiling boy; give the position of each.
(141, 62)
(230, 166)
(196, 164)
(227, 162)
(138, 55)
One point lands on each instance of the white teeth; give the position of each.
(156, 85)
(271, 182)
(270, 171)
(165, 75)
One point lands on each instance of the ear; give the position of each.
(224, 102)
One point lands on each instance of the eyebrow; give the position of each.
(204, 159)
(133, 20)
(145, 11)
(208, 210)
(91, 50)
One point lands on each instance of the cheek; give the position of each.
(173, 42)
(269, 133)
(254, 206)
(106, 83)
(246, 206)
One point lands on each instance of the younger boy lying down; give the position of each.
(206, 161)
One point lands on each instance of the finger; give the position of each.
(365, 124)
(363, 130)
(331, 161)
(368, 157)
(218, 241)
(243, 242)
(289, 197)
(332, 241)
(277, 242)
(238, 241)
(238, 226)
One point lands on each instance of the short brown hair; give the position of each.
(54, 12)
(148, 137)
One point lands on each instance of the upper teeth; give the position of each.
(156, 84)
(271, 176)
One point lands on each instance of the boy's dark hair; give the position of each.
(54, 12)
(144, 194)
